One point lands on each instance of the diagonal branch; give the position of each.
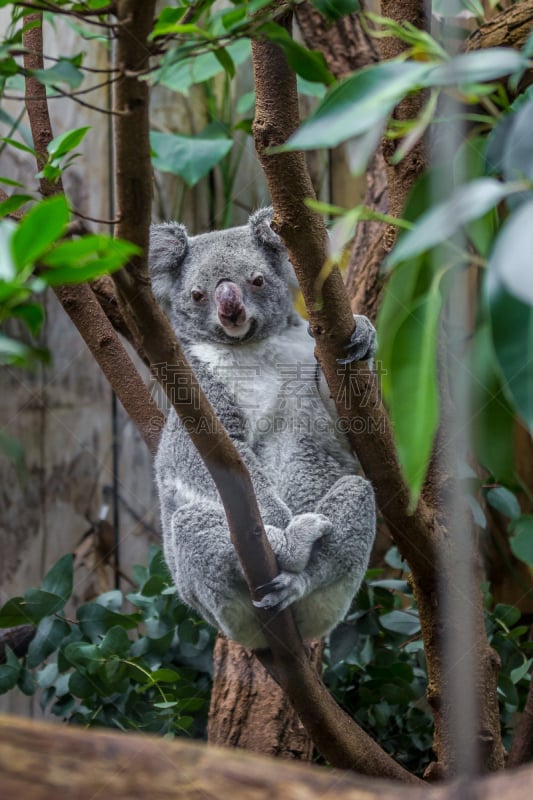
(353, 387)
(332, 730)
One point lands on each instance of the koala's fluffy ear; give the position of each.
(260, 226)
(265, 236)
(169, 244)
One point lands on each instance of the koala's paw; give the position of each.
(309, 526)
(301, 534)
(362, 345)
(285, 589)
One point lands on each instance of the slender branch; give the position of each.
(78, 301)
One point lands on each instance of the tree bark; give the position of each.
(420, 536)
(42, 761)
(347, 47)
(249, 710)
(78, 300)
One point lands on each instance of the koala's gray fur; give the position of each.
(228, 296)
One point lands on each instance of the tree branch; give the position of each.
(420, 536)
(346, 46)
(78, 301)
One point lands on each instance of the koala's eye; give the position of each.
(197, 295)
(258, 280)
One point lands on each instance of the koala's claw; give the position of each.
(285, 589)
(362, 344)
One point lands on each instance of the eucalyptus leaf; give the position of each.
(357, 104)
(190, 157)
(504, 501)
(185, 73)
(510, 261)
(10, 671)
(412, 363)
(39, 229)
(475, 67)
(58, 580)
(443, 221)
(402, 622)
(512, 338)
(49, 635)
(522, 539)
(39, 604)
(63, 71)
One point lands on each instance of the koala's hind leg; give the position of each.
(344, 549)
(350, 507)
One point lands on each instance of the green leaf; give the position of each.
(166, 676)
(518, 148)
(189, 157)
(31, 313)
(50, 633)
(26, 683)
(18, 146)
(9, 672)
(405, 623)
(39, 604)
(444, 220)
(81, 686)
(310, 64)
(522, 539)
(115, 642)
(58, 580)
(509, 263)
(512, 337)
(226, 61)
(520, 672)
(476, 67)
(357, 104)
(65, 142)
(334, 10)
(13, 203)
(504, 501)
(62, 72)
(96, 621)
(185, 73)
(81, 259)
(13, 613)
(38, 229)
(81, 654)
(412, 362)
(493, 419)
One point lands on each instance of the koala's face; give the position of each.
(228, 286)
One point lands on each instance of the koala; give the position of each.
(228, 295)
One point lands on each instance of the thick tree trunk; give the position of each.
(248, 708)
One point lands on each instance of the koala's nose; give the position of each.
(229, 300)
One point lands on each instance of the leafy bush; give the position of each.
(376, 668)
(147, 669)
(150, 668)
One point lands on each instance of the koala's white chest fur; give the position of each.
(273, 381)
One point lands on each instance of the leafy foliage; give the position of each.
(34, 255)
(146, 669)
(376, 667)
